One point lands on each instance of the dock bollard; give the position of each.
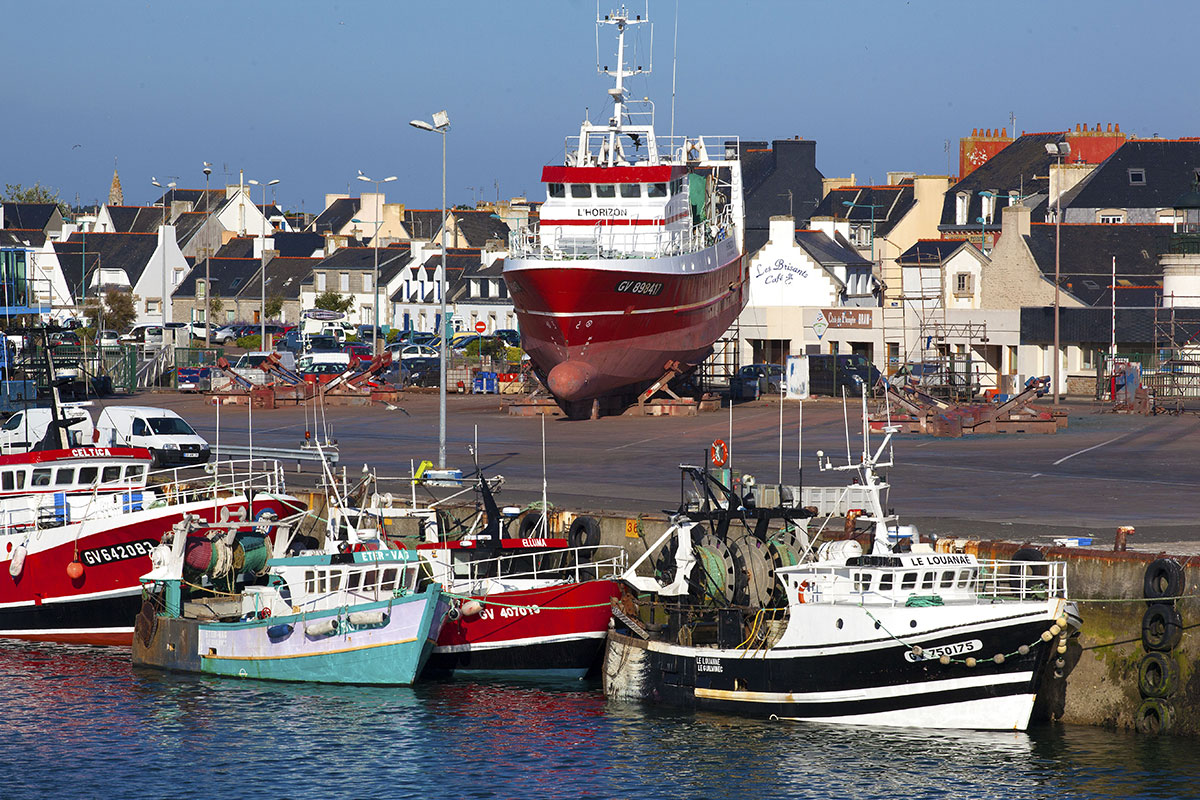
(1122, 532)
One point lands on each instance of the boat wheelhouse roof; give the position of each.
(107, 454)
(656, 173)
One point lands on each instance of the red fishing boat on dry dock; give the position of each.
(637, 265)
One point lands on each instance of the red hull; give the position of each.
(569, 617)
(44, 603)
(596, 330)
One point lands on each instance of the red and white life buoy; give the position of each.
(718, 454)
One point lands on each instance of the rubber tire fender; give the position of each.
(1162, 628)
(584, 532)
(1158, 675)
(1164, 578)
(1154, 716)
(528, 524)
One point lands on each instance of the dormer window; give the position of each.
(1137, 176)
(988, 205)
(581, 190)
(962, 204)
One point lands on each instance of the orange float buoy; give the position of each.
(75, 570)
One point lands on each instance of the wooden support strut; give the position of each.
(673, 370)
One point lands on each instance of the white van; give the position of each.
(323, 363)
(24, 429)
(161, 431)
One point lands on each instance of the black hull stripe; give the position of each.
(577, 654)
(79, 615)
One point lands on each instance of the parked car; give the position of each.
(251, 360)
(419, 371)
(163, 432)
(322, 367)
(107, 340)
(414, 337)
(829, 374)
(322, 344)
(769, 377)
(26, 428)
(143, 333)
(418, 351)
(64, 339)
(230, 333)
(509, 336)
(359, 353)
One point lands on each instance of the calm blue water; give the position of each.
(80, 722)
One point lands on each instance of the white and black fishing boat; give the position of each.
(878, 627)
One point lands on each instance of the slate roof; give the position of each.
(930, 251)
(28, 216)
(477, 227)
(23, 238)
(1022, 167)
(461, 262)
(128, 251)
(890, 203)
(216, 198)
(286, 274)
(769, 172)
(1085, 260)
(237, 247)
(230, 276)
(827, 252)
(135, 219)
(422, 224)
(1134, 326)
(298, 244)
(186, 225)
(336, 216)
(1170, 167)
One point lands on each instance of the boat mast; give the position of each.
(617, 93)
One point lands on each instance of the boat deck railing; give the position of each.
(986, 582)
(666, 149)
(220, 478)
(565, 565)
(617, 241)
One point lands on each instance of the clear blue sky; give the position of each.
(310, 92)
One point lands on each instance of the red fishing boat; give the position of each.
(637, 265)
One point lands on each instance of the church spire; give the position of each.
(116, 197)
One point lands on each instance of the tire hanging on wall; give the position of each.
(1162, 628)
(1164, 578)
(1155, 715)
(1158, 675)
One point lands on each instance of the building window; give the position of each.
(321, 282)
(1137, 176)
(152, 306)
(344, 282)
(988, 206)
(178, 277)
(230, 315)
(1112, 219)
(964, 283)
(201, 290)
(367, 278)
(962, 204)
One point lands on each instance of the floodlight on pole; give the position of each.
(375, 246)
(1059, 151)
(162, 244)
(441, 124)
(263, 342)
(207, 265)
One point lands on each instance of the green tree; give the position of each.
(114, 313)
(215, 307)
(16, 193)
(274, 305)
(332, 301)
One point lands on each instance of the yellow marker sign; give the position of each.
(631, 529)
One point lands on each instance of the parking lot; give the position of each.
(1103, 471)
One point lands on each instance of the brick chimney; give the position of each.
(783, 229)
(1014, 219)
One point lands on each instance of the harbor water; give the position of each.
(81, 722)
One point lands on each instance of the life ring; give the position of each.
(802, 590)
(1158, 675)
(1164, 578)
(1162, 627)
(718, 454)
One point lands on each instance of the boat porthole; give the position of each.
(912, 623)
(839, 624)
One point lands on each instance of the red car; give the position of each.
(359, 352)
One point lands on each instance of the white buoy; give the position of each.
(471, 608)
(17, 564)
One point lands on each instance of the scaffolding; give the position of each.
(721, 366)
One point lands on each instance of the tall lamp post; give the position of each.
(207, 265)
(441, 124)
(163, 248)
(1059, 151)
(262, 318)
(375, 245)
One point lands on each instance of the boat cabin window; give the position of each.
(862, 581)
(111, 474)
(656, 190)
(947, 579)
(677, 186)
(462, 564)
(909, 581)
(335, 581)
(9, 483)
(556, 190)
(353, 581)
(885, 582)
(389, 580)
(41, 477)
(927, 580)
(134, 472)
(964, 578)
(606, 190)
(64, 477)
(581, 190)
(87, 475)
(631, 190)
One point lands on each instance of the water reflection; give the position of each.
(82, 717)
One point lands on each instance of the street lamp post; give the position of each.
(262, 319)
(441, 124)
(1059, 151)
(163, 247)
(207, 264)
(375, 245)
